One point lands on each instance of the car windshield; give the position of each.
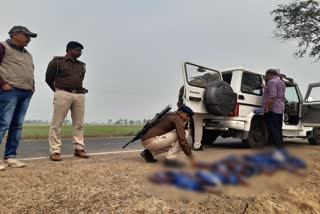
(200, 76)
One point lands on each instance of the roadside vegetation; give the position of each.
(31, 131)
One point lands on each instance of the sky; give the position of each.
(134, 50)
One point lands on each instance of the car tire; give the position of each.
(258, 134)
(315, 140)
(209, 137)
(219, 98)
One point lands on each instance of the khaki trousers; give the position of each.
(165, 143)
(198, 128)
(62, 103)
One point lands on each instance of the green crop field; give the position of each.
(41, 131)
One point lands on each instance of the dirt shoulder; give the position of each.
(117, 184)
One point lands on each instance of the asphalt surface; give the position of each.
(40, 148)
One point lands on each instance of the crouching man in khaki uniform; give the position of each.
(169, 135)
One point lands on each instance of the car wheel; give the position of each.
(258, 134)
(315, 140)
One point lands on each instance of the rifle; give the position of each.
(149, 124)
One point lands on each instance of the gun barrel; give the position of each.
(127, 144)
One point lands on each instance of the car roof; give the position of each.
(239, 68)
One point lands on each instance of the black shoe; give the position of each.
(173, 163)
(199, 149)
(148, 157)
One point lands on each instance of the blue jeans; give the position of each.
(13, 108)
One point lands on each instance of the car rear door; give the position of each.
(311, 106)
(196, 78)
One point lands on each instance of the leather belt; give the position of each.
(73, 91)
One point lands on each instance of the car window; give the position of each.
(200, 76)
(251, 83)
(314, 95)
(227, 76)
(291, 94)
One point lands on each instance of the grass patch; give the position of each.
(41, 131)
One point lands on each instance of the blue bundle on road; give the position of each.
(233, 170)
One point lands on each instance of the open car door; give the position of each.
(196, 78)
(311, 106)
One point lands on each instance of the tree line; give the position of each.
(108, 122)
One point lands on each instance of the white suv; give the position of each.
(229, 102)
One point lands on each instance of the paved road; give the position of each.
(40, 148)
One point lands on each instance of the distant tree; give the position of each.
(66, 122)
(300, 21)
(36, 122)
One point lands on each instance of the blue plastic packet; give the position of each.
(258, 111)
(208, 178)
(233, 179)
(185, 181)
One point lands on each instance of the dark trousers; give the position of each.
(274, 124)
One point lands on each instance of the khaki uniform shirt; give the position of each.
(66, 73)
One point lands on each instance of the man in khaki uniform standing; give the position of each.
(65, 77)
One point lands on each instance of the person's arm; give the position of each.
(84, 73)
(185, 146)
(3, 83)
(180, 97)
(51, 73)
(272, 89)
(281, 76)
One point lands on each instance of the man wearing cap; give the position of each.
(16, 90)
(65, 77)
(273, 104)
(169, 135)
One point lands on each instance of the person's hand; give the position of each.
(6, 87)
(193, 161)
(266, 109)
(282, 76)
